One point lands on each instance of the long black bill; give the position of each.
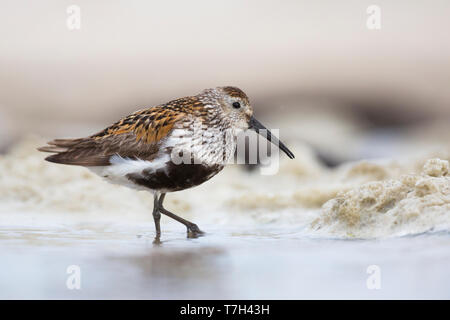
(257, 126)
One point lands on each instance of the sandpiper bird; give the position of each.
(143, 150)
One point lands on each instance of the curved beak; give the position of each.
(260, 129)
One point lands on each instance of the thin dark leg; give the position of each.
(157, 217)
(192, 228)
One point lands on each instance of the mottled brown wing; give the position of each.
(148, 125)
(135, 136)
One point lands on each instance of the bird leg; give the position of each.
(192, 229)
(157, 218)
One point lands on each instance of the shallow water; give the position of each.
(227, 263)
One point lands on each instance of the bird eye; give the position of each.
(236, 105)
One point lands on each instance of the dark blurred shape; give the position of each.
(382, 113)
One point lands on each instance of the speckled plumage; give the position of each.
(166, 148)
(140, 134)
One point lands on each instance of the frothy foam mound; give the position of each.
(410, 204)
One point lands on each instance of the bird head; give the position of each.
(236, 106)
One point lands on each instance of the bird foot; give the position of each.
(157, 241)
(193, 231)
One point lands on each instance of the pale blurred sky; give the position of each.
(130, 54)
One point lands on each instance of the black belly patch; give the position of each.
(175, 177)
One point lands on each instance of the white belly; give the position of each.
(119, 168)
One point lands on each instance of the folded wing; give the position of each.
(136, 136)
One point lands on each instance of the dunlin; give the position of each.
(167, 148)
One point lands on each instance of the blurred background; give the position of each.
(312, 68)
(337, 90)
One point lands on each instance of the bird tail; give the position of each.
(59, 147)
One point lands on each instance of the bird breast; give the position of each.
(206, 145)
